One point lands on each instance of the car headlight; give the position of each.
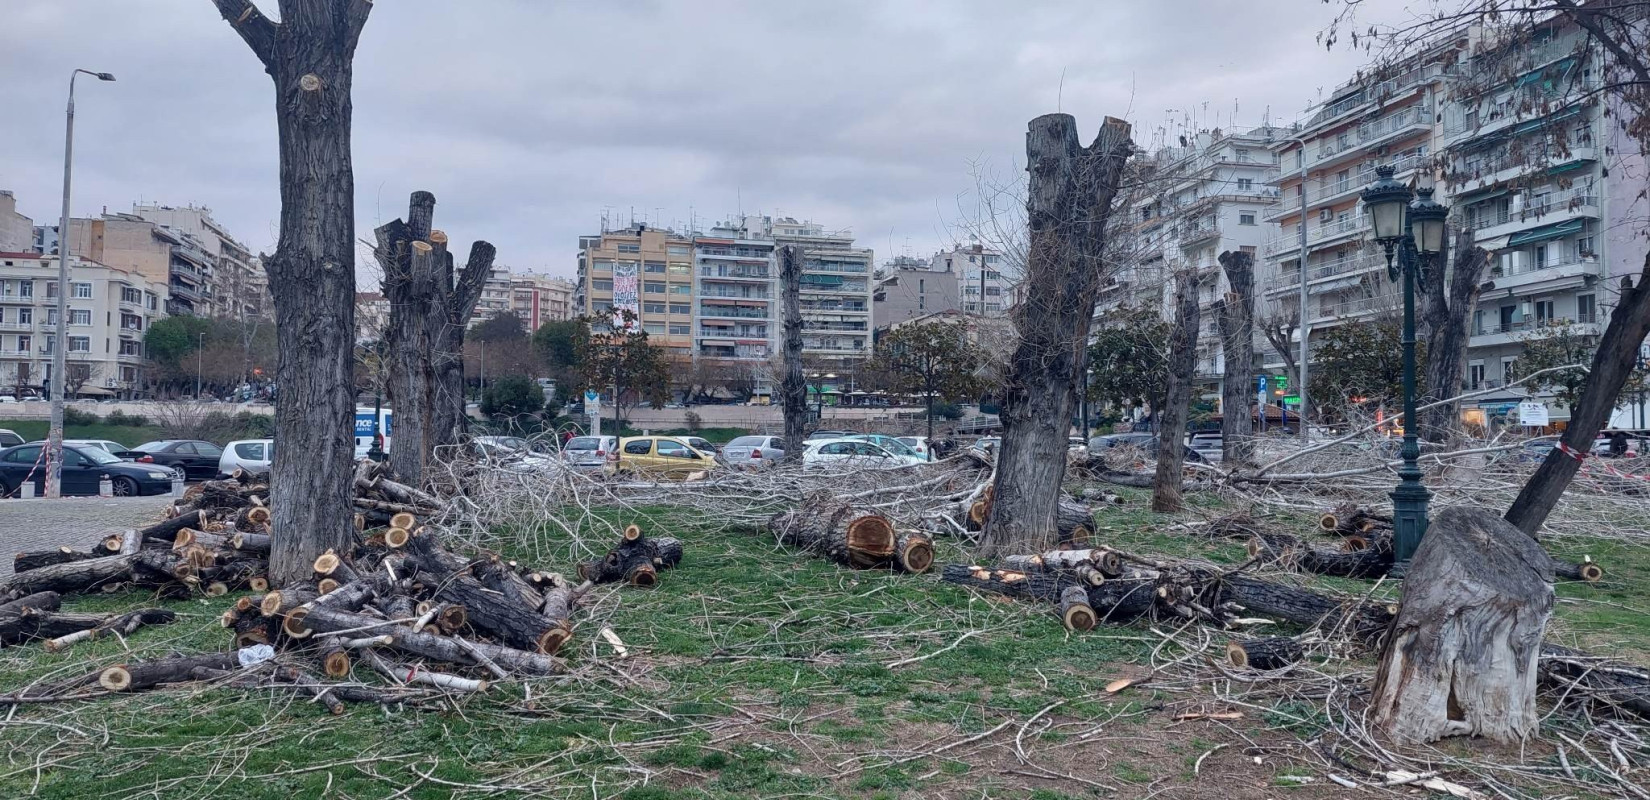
(160, 475)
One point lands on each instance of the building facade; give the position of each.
(109, 311)
(912, 287)
(237, 286)
(16, 230)
(538, 299)
(158, 253)
(645, 274)
(982, 287)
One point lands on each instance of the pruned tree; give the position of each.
(309, 55)
(1279, 329)
(1070, 199)
(430, 308)
(935, 360)
(1236, 315)
(1448, 308)
(1177, 396)
(620, 357)
(793, 392)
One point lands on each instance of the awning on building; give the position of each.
(1334, 285)
(1495, 244)
(1546, 232)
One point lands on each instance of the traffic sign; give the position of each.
(592, 400)
(1260, 383)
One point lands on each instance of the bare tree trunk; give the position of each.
(309, 56)
(1071, 192)
(449, 420)
(1448, 308)
(1279, 330)
(1237, 335)
(793, 391)
(1171, 445)
(1618, 351)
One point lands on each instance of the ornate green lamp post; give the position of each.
(1412, 228)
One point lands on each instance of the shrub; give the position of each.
(118, 417)
(950, 411)
(74, 416)
(512, 395)
(694, 423)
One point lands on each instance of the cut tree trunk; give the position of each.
(324, 620)
(1069, 202)
(1291, 552)
(1462, 657)
(1171, 448)
(1237, 344)
(851, 537)
(309, 56)
(23, 562)
(1613, 362)
(1075, 612)
(793, 391)
(1272, 653)
(140, 675)
(1444, 320)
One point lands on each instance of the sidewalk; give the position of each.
(78, 522)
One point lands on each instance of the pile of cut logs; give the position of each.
(1074, 520)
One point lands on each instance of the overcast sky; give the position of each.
(528, 119)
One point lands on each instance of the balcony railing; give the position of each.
(738, 274)
(708, 292)
(734, 312)
(859, 269)
(1371, 132)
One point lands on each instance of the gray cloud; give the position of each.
(527, 119)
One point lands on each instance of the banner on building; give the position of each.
(627, 294)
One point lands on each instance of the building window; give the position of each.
(677, 249)
(25, 315)
(1585, 310)
(654, 266)
(653, 308)
(82, 291)
(630, 248)
(51, 289)
(80, 344)
(1507, 375)
(681, 269)
(681, 308)
(1475, 376)
(601, 266)
(1242, 154)
(1543, 311)
(654, 328)
(601, 285)
(80, 316)
(1245, 184)
(678, 329)
(653, 287)
(1246, 219)
(1507, 313)
(24, 343)
(25, 288)
(681, 288)
(130, 295)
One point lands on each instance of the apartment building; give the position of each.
(372, 317)
(157, 253)
(238, 288)
(645, 271)
(736, 316)
(109, 311)
(497, 296)
(836, 292)
(538, 299)
(982, 287)
(1548, 183)
(909, 287)
(16, 230)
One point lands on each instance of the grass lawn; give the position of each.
(129, 435)
(714, 435)
(754, 673)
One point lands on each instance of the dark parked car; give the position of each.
(83, 469)
(197, 459)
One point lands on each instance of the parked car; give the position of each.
(1208, 445)
(917, 443)
(842, 454)
(9, 438)
(83, 470)
(701, 444)
(517, 459)
(660, 457)
(106, 445)
(890, 443)
(1076, 445)
(590, 453)
(1146, 442)
(507, 442)
(1536, 449)
(197, 459)
(250, 455)
(821, 435)
(754, 452)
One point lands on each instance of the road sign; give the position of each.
(1260, 383)
(592, 400)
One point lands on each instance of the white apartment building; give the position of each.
(1548, 183)
(497, 296)
(538, 299)
(982, 286)
(735, 306)
(238, 288)
(109, 311)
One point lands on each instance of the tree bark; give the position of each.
(1444, 320)
(309, 56)
(1237, 344)
(793, 391)
(1613, 362)
(1463, 655)
(852, 537)
(1275, 652)
(1069, 202)
(1171, 444)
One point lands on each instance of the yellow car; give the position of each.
(660, 457)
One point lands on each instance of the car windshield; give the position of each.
(896, 446)
(581, 443)
(748, 441)
(97, 455)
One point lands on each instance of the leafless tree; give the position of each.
(793, 392)
(1236, 316)
(1171, 445)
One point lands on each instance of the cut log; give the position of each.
(1271, 653)
(1042, 586)
(913, 552)
(1075, 523)
(1585, 570)
(1075, 611)
(119, 624)
(1292, 553)
(839, 532)
(1120, 600)
(167, 530)
(71, 577)
(335, 659)
(1462, 658)
(23, 562)
(429, 645)
(250, 542)
(140, 675)
(1105, 561)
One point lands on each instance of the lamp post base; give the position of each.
(1409, 520)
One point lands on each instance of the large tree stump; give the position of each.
(1463, 653)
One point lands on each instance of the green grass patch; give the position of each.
(129, 435)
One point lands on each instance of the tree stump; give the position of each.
(1462, 657)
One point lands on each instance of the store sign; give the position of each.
(1532, 413)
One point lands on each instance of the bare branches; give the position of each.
(255, 29)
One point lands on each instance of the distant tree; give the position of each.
(1560, 344)
(624, 360)
(935, 360)
(504, 326)
(512, 396)
(1129, 359)
(169, 339)
(1361, 362)
(553, 342)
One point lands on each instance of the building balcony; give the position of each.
(1319, 235)
(27, 355)
(1524, 278)
(24, 327)
(732, 312)
(1480, 175)
(1551, 210)
(12, 298)
(1411, 121)
(129, 358)
(707, 291)
(1320, 275)
(1330, 192)
(181, 291)
(1494, 333)
(1352, 309)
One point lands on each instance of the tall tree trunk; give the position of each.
(312, 273)
(1444, 320)
(1279, 330)
(1237, 345)
(793, 391)
(1070, 198)
(1171, 444)
(1613, 362)
(425, 346)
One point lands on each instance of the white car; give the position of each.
(252, 455)
(916, 443)
(106, 445)
(852, 454)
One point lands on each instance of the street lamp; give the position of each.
(60, 341)
(1410, 225)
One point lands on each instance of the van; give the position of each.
(363, 429)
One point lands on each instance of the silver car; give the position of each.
(252, 455)
(754, 452)
(590, 453)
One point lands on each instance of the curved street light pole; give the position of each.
(54, 436)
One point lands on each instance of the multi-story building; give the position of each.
(647, 272)
(372, 317)
(1205, 197)
(497, 296)
(909, 287)
(981, 286)
(109, 311)
(236, 283)
(735, 303)
(836, 292)
(16, 230)
(1547, 181)
(1385, 118)
(538, 299)
(158, 253)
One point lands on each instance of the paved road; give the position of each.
(78, 522)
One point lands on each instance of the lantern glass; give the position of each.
(1387, 216)
(1429, 236)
